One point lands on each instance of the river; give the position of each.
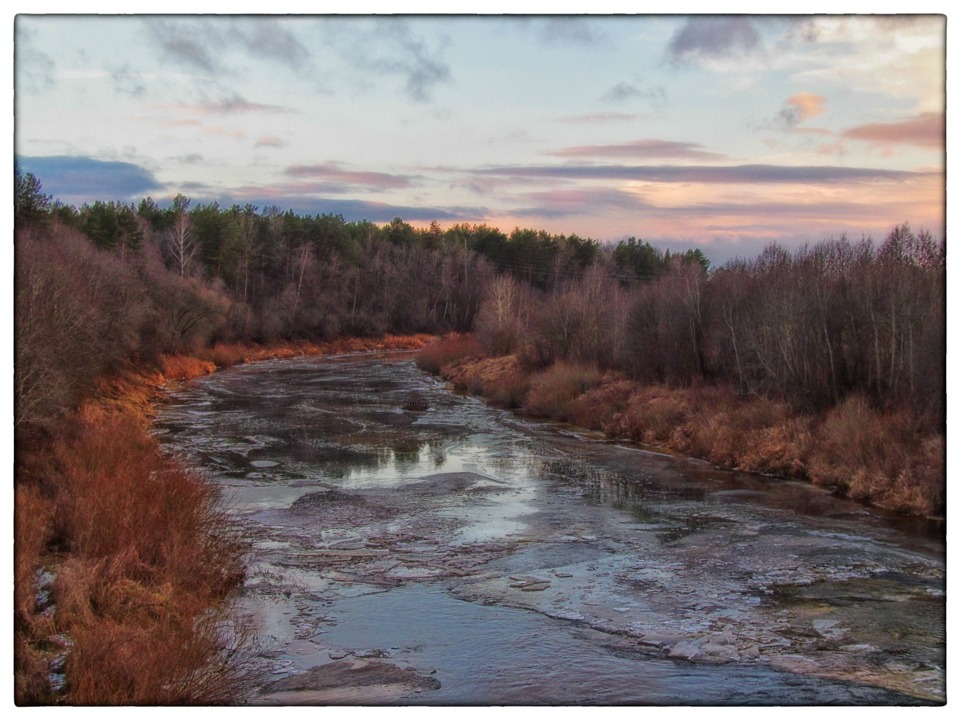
(415, 546)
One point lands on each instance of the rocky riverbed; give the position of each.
(416, 546)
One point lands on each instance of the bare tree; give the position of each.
(181, 244)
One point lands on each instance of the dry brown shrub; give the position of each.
(33, 528)
(120, 496)
(225, 354)
(151, 553)
(880, 457)
(446, 351)
(779, 449)
(417, 341)
(753, 434)
(510, 391)
(599, 407)
(653, 414)
(553, 391)
(184, 367)
(481, 376)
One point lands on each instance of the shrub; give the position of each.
(510, 390)
(446, 351)
(879, 457)
(184, 367)
(553, 391)
(150, 559)
(653, 414)
(600, 407)
(32, 530)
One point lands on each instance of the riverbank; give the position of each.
(884, 459)
(123, 558)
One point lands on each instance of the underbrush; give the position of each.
(138, 557)
(446, 350)
(228, 354)
(553, 392)
(184, 367)
(880, 457)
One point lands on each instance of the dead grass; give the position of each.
(554, 391)
(137, 644)
(33, 529)
(120, 496)
(184, 367)
(228, 354)
(144, 558)
(881, 458)
(447, 350)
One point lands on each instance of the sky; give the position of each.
(724, 133)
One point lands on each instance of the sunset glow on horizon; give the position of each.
(719, 132)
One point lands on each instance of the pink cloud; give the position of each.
(798, 109)
(270, 141)
(807, 105)
(925, 130)
(333, 172)
(641, 149)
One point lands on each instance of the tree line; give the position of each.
(108, 280)
(811, 326)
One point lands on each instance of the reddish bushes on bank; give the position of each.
(887, 458)
(553, 392)
(445, 351)
(879, 457)
(145, 557)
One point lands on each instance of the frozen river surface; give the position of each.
(416, 546)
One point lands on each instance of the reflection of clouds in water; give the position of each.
(366, 497)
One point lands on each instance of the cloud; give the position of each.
(600, 117)
(128, 81)
(187, 43)
(640, 149)
(799, 108)
(201, 44)
(34, 70)
(391, 48)
(926, 130)
(340, 178)
(575, 30)
(624, 91)
(713, 37)
(267, 38)
(270, 141)
(727, 174)
(564, 203)
(237, 105)
(84, 179)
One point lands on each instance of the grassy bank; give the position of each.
(880, 457)
(123, 558)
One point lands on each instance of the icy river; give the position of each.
(414, 546)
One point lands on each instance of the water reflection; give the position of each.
(392, 515)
